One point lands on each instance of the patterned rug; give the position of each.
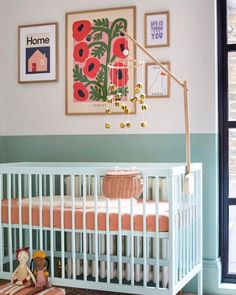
(74, 291)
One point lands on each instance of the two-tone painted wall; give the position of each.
(34, 127)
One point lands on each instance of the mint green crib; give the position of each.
(152, 245)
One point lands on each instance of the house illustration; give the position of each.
(38, 62)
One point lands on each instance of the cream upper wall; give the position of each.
(40, 108)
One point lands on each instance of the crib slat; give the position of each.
(9, 195)
(119, 242)
(40, 213)
(30, 212)
(20, 210)
(72, 190)
(51, 224)
(176, 216)
(108, 240)
(157, 241)
(96, 227)
(180, 228)
(84, 229)
(1, 227)
(62, 227)
(132, 239)
(145, 188)
(171, 194)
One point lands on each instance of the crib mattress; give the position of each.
(90, 215)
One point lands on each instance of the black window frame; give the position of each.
(224, 126)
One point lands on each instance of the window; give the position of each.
(227, 127)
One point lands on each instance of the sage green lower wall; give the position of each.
(130, 148)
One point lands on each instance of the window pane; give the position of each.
(231, 11)
(232, 239)
(232, 85)
(232, 163)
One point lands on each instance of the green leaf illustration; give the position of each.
(100, 76)
(117, 29)
(97, 36)
(98, 51)
(123, 90)
(104, 22)
(78, 75)
(95, 93)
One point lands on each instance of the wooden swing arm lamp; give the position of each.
(188, 177)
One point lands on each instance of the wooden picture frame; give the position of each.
(87, 46)
(38, 53)
(157, 82)
(157, 29)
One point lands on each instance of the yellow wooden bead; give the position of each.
(113, 87)
(117, 103)
(140, 85)
(141, 101)
(124, 107)
(128, 124)
(143, 124)
(122, 125)
(127, 111)
(108, 111)
(118, 96)
(132, 99)
(136, 90)
(107, 125)
(109, 99)
(142, 96)
(144, 107)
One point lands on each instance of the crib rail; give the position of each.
(100, 243)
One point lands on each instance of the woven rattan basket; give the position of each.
(122, 184)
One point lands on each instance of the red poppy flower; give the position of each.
(119, 76)
(91, 67)
(81, 29)
(119, 46)
(80, 92)
(81, 52)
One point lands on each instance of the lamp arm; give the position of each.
(184, 85)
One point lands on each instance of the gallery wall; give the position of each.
(40, 108)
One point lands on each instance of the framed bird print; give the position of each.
(94, 40)
(157, 84)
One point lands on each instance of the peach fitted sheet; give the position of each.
(90, 214)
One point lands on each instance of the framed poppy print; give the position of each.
(94, 40)
(37, 50)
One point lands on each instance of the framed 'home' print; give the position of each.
(94, 39)
(37, 50)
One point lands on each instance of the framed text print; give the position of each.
(157, 29)
(157, 82)
(94, 39)
(37, 49)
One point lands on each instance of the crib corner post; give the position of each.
(171, 194)
(200, 232)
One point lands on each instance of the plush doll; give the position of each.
(41, 272)
(22, 276)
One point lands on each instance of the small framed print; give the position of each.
(157, 29)
(37, 50)
(157, 84)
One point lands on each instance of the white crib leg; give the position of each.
(154, 268)
(77, 249)
(165, 274)
(69, 260)
(200, 284)
(102, 263)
